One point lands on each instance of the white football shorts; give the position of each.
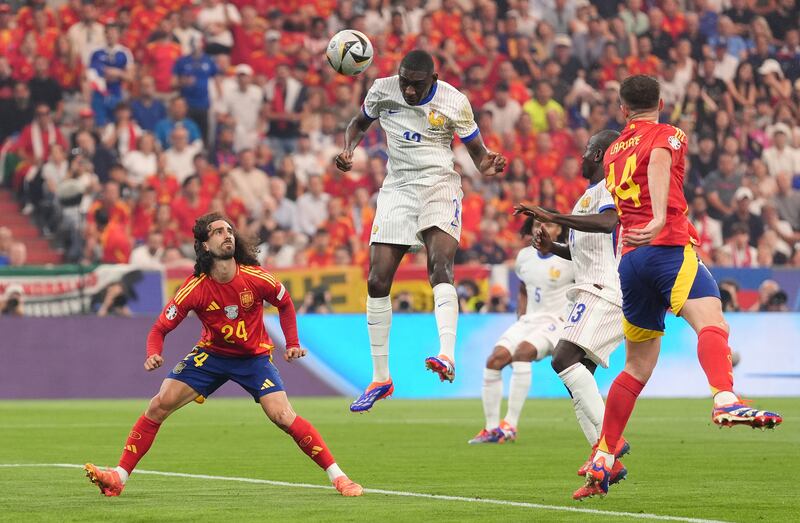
(595, 325)
(542, 333)
(404, 212)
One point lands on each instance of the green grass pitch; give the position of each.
(681, 465)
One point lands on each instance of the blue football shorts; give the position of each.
(655, 278)
(206, 372)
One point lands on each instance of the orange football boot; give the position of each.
(347, 487)
(107, 479)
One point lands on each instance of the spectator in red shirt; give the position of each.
(674, 21)
(37, 137)
(164, 183)
(319, 253)
(340, 225)
(547, 160)
(145, 17)
(144, 214)
(27, 14)
(472, 205)
(644, 62)
(159, 58)
(188, 206)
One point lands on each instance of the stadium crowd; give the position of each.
(122, 121)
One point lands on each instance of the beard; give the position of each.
(225, 255)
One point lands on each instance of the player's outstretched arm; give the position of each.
(658, 173)
(352, 137)
(489, 163)
(288, 319)
(604, 222)
(543, 243)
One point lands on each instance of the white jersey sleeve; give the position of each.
(464, 124)
(373, 101)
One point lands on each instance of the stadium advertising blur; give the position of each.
(339, 344)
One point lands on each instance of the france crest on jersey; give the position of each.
(420, 136)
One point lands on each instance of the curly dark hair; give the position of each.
(244, 253)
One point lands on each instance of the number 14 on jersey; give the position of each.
(626, 189)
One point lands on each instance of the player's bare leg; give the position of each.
(172, 395)
(640, 360)
(383, 262)
(706, 318)
(278, 409)
(518, 388)
(441, 249)
(492, 396)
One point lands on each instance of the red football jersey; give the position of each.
(232, 313)
(626, 162)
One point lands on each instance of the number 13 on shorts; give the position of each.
(577, 312)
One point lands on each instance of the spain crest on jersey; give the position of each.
(246, 298)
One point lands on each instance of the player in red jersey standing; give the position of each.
(227, 292)
(659, 269)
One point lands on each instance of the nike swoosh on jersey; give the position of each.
(393, 112)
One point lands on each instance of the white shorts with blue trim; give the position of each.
(403, 212)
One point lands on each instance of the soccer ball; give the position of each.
(349, 52)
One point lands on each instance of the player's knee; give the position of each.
(525, 352)
(440, 269)
(498, 359)
(283, 417)
(159, 408)
(722, 324)
(563, 358)
(378, 286)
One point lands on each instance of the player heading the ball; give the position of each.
(419, 202)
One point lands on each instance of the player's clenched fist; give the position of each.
(493, 163)
(153, 362)
(542, 241)
(344, 160)
(292, 353)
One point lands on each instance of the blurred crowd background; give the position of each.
(122, 121)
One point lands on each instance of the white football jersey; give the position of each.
(594, 253)
(546, 279)
(420, 136)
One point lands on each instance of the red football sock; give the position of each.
(715, 358)
(619, 405)
(310, 442)
(138, 443)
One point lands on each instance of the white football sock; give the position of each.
(724, 397)
(518, 390)
(445, 308)
(379, 321)
(586, 398)
(334, 472)
(588, 428)
(492, 395)
(123, 474)
(609, 457)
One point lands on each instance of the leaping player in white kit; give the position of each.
(541, 307)
(593, 329)
(419, 202)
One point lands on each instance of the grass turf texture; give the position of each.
(680, 465)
